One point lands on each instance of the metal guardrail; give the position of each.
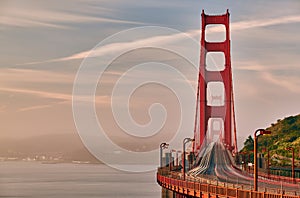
(198, 189)
(279, 178)
(275, 177)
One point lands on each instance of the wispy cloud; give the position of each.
(256, 66)
(287, 82)
(43, 106)
(42, 94)
(111, 48)
(265, 22)
(16, 16)
(8, 75)
(54, 95)
(268, 74)
(35, 107)
(11, 21)
(10, 85)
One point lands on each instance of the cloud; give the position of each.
(255, 66)
(259, 83)
(42, 94)
(10, 85)
(242, 25)
(111, 48)
(34, 107)
(287, 82)
(30, 16)
(23, 22)
(43, 106)
(55, 95)
(10, 75)
(269, 73)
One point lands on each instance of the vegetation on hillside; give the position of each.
(285, 133)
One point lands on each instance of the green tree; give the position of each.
(249, 143)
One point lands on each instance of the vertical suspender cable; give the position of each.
(234, 121)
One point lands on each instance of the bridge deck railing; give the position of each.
(194, 188)
(264, 174)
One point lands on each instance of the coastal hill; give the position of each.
(284, 133)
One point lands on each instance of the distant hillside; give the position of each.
(66, 147)
(285, 133)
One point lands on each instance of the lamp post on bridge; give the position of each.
(268, 162)
(256, 135)
(293, 161)
(185, 141)
(162, 146)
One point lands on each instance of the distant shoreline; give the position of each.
(50, 161)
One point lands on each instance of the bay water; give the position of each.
(34, 179)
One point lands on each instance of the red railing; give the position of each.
(197, 189)
(279, 178)
(263, 174)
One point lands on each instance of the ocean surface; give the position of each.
(34, 179)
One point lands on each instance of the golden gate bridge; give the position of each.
(212, 170)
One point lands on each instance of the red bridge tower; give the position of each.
(224, 111)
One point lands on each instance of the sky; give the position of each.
(44, 43)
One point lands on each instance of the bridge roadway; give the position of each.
(216, 169)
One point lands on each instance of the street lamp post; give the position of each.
(162, 146)
(269, 162)
(256, 135)
(185, 141)
(293, 161)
